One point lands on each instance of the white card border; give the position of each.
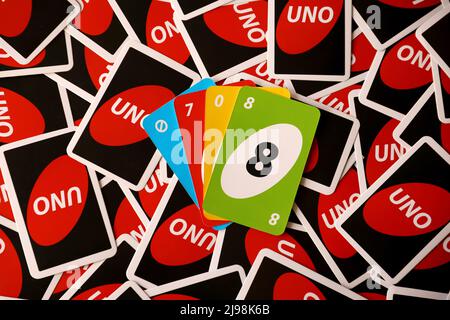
(416, 293)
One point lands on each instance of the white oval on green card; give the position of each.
(238, 182)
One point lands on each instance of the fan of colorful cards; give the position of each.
(238, 151)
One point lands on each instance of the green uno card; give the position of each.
(261, 161)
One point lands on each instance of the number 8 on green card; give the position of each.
(261, 161)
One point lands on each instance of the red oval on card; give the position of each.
(173, 296)
(331, 207)
(20, 117)
(57, 200)
(445, 136)
(244, 24)
(98, 68)
(68, 278)
(98, 293)
(294, 286)
(118, 121)
(15, 16)
(303, 24)
(285, 244)
(7, 60)
(127, 222)
(5, 206)
(383, 153)
(411, 209)
(313, 157)
(10, 268)
(407, 65)
(162, 34)
(95, 18)
(409, 4)
(437, 257)
(183, 239)
(362, 53)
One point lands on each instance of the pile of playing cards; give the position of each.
(221, 150)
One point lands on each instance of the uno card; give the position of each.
(15, 279)
(376, 150)
(228, 39)
(362, 56)
(28, 27)
(431, 272)
(123, 216)
(387, 21)
(412, 195)
(151, 22)
(422, 121)
(110, 137)
(275, 277)
(100, 27)
(187, 9)
(240, 245)
(318, 212)
(413, 295)
(104, 277)
(329, 154)
(397, 78)
(89, 71)
(310, 41)
(56, 57)
(57, 205)
(432, 36)
(128, 291)
(441, 82)
(31, 105)
(261, 160)
(177, 245)
(222, 284)
(164, 130)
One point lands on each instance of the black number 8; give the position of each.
(260, 166)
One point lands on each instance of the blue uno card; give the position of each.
(163, 128)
